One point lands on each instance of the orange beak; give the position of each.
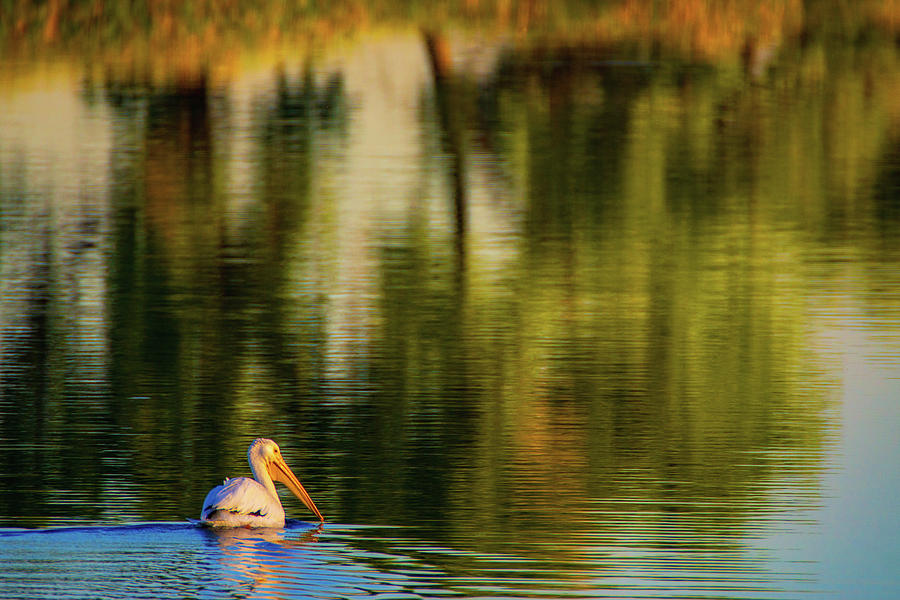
(279, 471)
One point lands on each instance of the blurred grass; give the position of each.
(197, 32)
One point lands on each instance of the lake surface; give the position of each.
(528, 319)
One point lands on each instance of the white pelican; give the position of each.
(245, 502)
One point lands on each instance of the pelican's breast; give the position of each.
(242, 502)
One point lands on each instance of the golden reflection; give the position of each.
(260, 559)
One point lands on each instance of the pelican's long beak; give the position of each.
(279, 471)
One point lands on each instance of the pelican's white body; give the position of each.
(245, 502)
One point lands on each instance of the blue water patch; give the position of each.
(184, 560)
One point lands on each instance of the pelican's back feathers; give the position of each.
(242, 501)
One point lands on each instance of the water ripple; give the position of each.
(168, 560)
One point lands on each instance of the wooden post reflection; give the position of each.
(178, 161)
(451, 121)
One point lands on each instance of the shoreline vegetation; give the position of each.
(181, 41)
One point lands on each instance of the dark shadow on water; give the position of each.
(96, 530)
(157, 527)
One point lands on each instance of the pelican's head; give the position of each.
(267, 454)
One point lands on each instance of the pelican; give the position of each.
(245, 502)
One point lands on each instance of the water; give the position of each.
(168, 560)
(566, 321)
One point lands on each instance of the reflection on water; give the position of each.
(162, 560)
(143, 561)
(177, 561)
(551, 320)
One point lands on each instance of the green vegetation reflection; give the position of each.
(619, 320)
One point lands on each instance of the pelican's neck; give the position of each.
(261, 474)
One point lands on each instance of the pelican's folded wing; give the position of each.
(241, 495)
